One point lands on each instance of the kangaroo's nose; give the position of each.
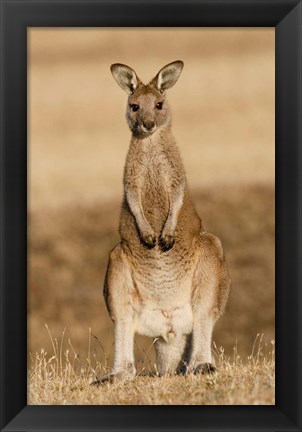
(149, 125)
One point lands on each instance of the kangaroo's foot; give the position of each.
(204, 369)
(113, 377)
(105, 378)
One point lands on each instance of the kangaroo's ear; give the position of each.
(125, 77)
(168, 75)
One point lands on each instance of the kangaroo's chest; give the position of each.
(156, 173)
(156, 184)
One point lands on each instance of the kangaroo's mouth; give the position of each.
(148, 131)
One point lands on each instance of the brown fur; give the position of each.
(167, 278)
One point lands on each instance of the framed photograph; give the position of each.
(153, 259)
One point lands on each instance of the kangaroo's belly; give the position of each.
(155, 321)
(162, 288)
(163, 308)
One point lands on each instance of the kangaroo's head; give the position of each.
(147, 108)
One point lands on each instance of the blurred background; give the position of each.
(223, 121)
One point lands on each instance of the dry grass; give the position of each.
(60, 379)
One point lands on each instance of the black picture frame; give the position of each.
(16, 17)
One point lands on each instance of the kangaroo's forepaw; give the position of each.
(204, 369)
(166, 242)
(149, 241)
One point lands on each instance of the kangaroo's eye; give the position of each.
(159, 105)
(134, 107)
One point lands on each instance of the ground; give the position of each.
(59, 380)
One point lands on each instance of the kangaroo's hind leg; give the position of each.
(211, 286)
(119, 294)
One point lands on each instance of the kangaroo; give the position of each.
(167, 278)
